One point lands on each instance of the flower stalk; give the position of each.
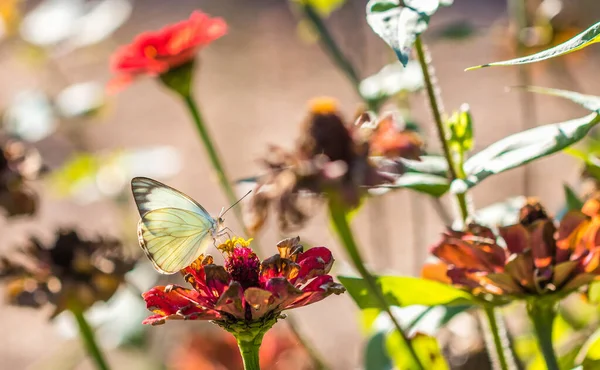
(339, 219)
(330, 46)
(494, 328)
(249, 351)
(454, 171)
(542, 314)
(89, 340)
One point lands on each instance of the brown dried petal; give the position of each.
(516, 237)
(521, 268)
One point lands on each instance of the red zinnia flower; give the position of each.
(246, 291)
(154, 53)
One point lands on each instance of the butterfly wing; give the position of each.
(173, 238)
(151, 195)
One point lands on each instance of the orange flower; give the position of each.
(155, 53)
(539, 258)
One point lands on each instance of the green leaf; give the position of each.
(460, 126)
(594, 292)
(590, 102)
(573, 201)
(406, 291)
(399, 25)
(427, 164)
(376, 355)
(323, 7)
(426, 347)
(391, 80)
(429, 184)
(524, 147)
(586, 38)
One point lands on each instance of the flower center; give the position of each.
(243, 266)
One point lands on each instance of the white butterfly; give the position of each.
(174, 229)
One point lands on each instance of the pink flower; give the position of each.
(246, 290)
(155, 53)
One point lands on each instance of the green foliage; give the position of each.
(399, 25)
(426, 347)
(323, 7)
(522, 148)
(376, 355)
(590, 102)
(573, 201)
(460, 126)
(433, 185)
(404, 291)
(586, 38)
(391, 80)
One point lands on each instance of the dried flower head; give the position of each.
(71, 271)
(19, 163)
(540, 257)
(331, 156)
(246, 296)
(155, 53)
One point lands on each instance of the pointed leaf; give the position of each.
(429, 184)
(376, 355)
(573, 201)
(590, 102)
(524, 147)
(586, 38)
(400, 25)
(406, 291)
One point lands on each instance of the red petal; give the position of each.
(314, 262)
(516, 237)
(174, 302)
(316, 290)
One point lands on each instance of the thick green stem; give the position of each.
(339, 218)
(542, 315)
(89, 340)
(330, 46)
(249, 351)
(213, 155)
(437, 117)
(494, 330)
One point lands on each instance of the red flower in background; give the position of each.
(540, 257)
(246, 291)
(154, 53)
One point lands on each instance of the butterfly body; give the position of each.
(174, 229)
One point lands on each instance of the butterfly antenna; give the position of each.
(234, 204)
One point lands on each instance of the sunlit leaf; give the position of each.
(427, 164)
(590, 102)
(323, 7)
(522, 148)
(424, 183)
(586, 38)
(405, 291)
(426, 347)
(391, 80)
(400, 25)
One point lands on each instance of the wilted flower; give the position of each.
(540, 257)
(330, 156)
(246, 296)
(155, 53)
(18, 163)
(72, 271)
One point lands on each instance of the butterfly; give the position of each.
(174, 229)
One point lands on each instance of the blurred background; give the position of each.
(253, 86)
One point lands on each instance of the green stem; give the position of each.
(89, 340)
(330, 46)
(494, 329)
(249, 352)
(339, 218)
(437, 117)
(542, 315)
